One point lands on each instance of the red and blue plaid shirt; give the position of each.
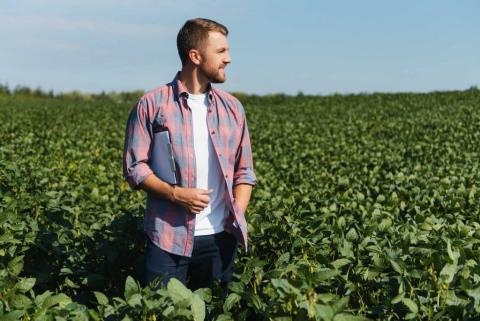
(169, 225)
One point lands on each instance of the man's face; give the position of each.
(215, 57)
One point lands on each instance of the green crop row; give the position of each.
(367, 207)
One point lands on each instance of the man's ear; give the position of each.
(195, 56)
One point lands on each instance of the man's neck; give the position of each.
(193, 81)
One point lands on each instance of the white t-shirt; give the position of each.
(209, 174)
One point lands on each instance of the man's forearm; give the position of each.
(155, 186)
(242, 193)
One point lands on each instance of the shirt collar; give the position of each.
(181, 91)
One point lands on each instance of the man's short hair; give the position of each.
(194, 33)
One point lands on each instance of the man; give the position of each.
(193, 227)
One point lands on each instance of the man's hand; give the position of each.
(193, 199)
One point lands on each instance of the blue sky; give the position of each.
(318, 47)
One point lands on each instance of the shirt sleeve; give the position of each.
(137, 146)
(243, 170)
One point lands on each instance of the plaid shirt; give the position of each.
(169, 225)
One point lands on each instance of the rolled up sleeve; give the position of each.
(243, 169)
(137, 147)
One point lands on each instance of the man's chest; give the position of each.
(222, 125)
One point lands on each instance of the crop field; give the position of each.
(367, 207)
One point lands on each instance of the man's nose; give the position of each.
(227, 59)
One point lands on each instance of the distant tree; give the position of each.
(22, 90)
(131, 96)
(4, 90)
(38, 93)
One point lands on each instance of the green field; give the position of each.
(367, 206)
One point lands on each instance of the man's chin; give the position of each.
(214, 77)
(217, 80)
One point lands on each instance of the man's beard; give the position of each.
(213, 75)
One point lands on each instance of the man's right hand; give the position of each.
(193, 199)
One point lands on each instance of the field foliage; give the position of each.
(367, 207)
